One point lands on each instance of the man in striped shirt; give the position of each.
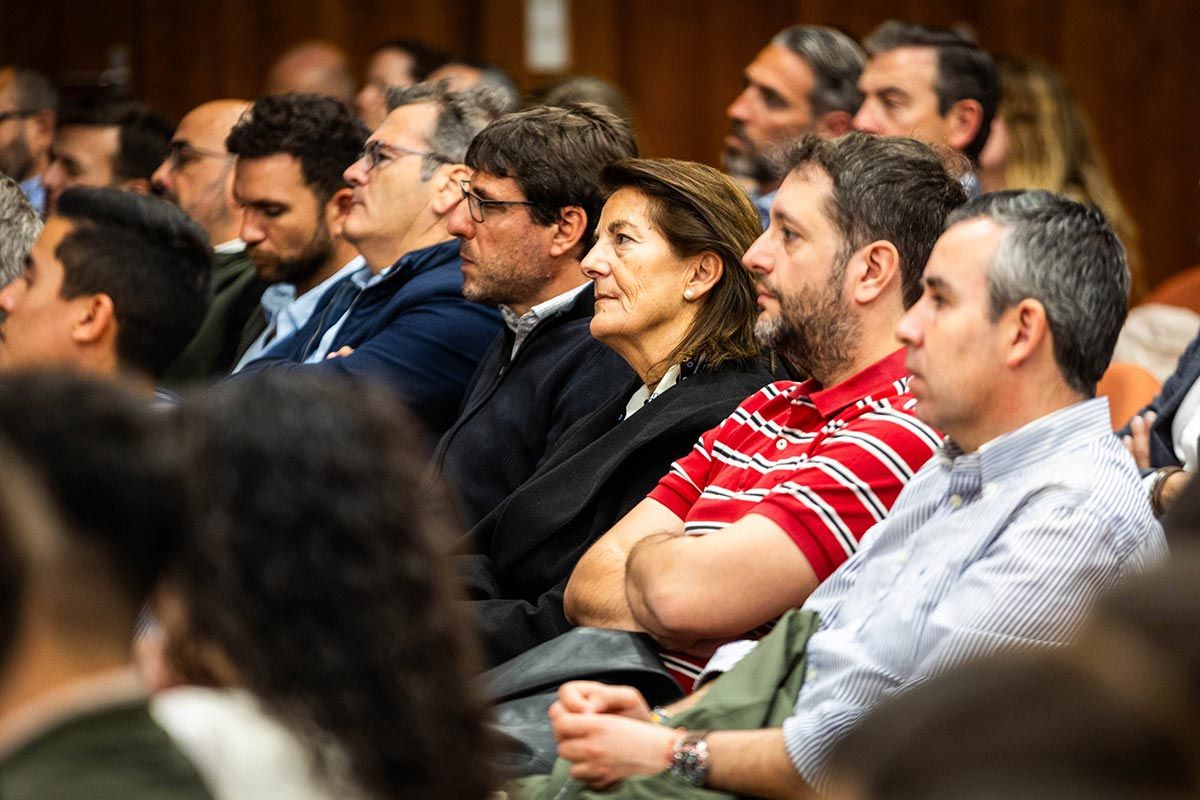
(1030, 510)
(784, 487)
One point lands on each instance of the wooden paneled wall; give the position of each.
(1128, 61)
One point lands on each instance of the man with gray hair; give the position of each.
(1029, 511)
(28, 113)
(19, 229)
(804, 81)
(402, 317)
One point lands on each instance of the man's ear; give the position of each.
(446, 191)
(1027, 329)
(706, 270)
(96, 319)
(337, 209)
(41, 130)
(878, 270)
(963, 122)
(568, 230)
(135, 185)
(833, 124)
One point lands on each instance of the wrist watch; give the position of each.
(689, 758)
(1156, 488)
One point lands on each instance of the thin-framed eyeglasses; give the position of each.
(180, 154)
(17, 113)
(476, 204)
(377, 154)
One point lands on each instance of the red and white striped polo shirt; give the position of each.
(823, 464)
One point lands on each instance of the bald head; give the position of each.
(317, 67)
(198, 174)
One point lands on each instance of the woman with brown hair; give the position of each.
(674, 300)
(1042, 139)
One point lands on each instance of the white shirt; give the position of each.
(643, 395)
(232, 246)
(523, 325)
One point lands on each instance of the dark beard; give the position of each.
(300, 268)
(815, 332)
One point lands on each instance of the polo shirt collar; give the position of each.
(880, 375)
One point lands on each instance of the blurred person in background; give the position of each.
(28, 110)
(395, 64)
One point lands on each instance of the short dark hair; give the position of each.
(1066, 256)
(425, 57)
(555, 154)
(154, 262)
(143, 138)
(887, 188)
(320, 132)
(698, 209)
(965, 71)
(101, 456)
(346, 545)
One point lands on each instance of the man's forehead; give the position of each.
(409, 125)
(493, 185)
(277, 175)
(964, 252)
(208, 125)
(782, 70)
(53, 232)
(909, 67)
(803, 185)
(85, 139)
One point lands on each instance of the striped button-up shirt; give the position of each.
(1003, 547)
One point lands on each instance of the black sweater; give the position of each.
(516, 561)
(515, 411)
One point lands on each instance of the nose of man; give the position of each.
(460, 223)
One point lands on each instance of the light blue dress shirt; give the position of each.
(1004, 547)
(287, 313)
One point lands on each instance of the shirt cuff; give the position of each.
(725, 659)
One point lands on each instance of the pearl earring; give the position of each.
(687, 294)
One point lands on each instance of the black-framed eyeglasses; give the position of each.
(476, 204)
(378, 154)
(17, 113)
(180, 154)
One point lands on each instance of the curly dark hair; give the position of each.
(322, 133)
(312, 564)
(143, 137)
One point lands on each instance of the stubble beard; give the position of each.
(814, 331)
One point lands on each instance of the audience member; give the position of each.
(1042, 139)
(1164, 437)
(116, 285)
(468, 73)
(74, 720)
(312, 67)
(291, 152)
(402, 318)
(19, 228)
(804, 81)
(106, 144)
(395, 64)
(197, 176)
(929, 83)
(1044, 726)
(772, 500)
(674, 301)
(574, 89)
(319, 590)
(1030, 510)
(528, 217)
(28, 108)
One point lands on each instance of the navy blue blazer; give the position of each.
(413, 330)
(1187, 371)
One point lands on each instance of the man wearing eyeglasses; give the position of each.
(402, 318)
(28, 106)
(529, 215)
(197, 176)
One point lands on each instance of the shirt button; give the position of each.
(955, 500)
(780, 445)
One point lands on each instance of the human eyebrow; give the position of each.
(935, 284)
(892, 94)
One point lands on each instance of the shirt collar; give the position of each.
(543, 309)
(1034, 442)
(232, 246)
(872, 380)
(281, 297)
